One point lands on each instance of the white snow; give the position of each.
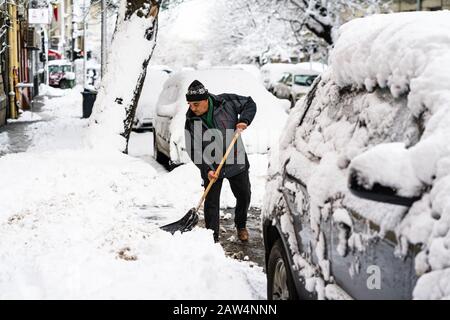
(26, 116)
(342, 216)
(50, 91)
(398, 172)
(76, 223)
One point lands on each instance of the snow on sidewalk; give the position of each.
(76, 223)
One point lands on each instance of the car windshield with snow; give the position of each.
(357, 201)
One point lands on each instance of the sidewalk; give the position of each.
(15, 136)
(73, 223)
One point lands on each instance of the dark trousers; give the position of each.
(240, 186)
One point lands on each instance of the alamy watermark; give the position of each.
(210, 145)
(374, 279)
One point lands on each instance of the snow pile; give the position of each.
(386, 84)
(72, 236)
(48, 91)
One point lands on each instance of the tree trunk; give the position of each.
(131, 50)
(135, 7)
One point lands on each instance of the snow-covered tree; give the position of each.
(321, 17)
(130, 53)
(244, 31)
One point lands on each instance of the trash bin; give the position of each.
(88, 102)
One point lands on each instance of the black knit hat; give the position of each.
(196, 92)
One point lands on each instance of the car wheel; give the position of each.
(280, 285)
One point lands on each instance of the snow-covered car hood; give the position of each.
(409, 55)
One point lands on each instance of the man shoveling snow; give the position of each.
(211, 122)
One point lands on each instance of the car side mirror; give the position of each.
(385, 173)
(377, 192)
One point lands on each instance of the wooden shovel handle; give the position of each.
(219, 168)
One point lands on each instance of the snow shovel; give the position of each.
(190, 219)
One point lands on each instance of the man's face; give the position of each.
(198, 107)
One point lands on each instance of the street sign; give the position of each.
(38, 16)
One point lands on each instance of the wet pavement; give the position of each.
(19, 138)
(253, 250)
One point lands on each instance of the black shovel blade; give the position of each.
(187, 223)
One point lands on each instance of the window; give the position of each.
(304, 80)
(54, 69)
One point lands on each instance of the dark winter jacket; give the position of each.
(229, 110)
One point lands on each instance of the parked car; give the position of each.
(273, 72)
(357, 198)
(61, 74)
(172, 106)
(145, 112)
(294, 85)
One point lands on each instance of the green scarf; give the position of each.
(208, 117)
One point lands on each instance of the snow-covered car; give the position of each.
(251, 68)
(153, 85)
(273, 72)
(172, 106)
(295, 84)
(357, 202)
(61, 74)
